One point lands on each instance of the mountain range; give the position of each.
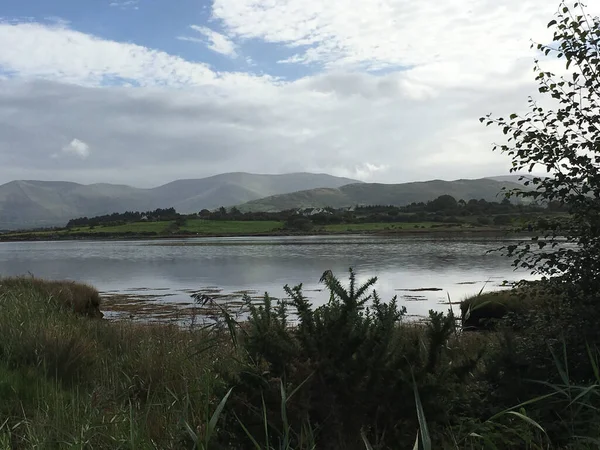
(29, 204)
(383, 194)
(32, 204)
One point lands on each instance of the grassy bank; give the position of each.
(198, 227)
(68, 381)
(339, 377)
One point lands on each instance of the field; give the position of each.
(191, 226)
(202, 227)
(136, 227)
(345, 227)
(230, 226)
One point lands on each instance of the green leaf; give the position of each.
(298, 387)
(593, 362)
(584, 393)
(423, 430)
(254, 442)
(416, 446)
(562, 370)
(212, 424)
(551, 23)
(527, 419)
(368, 445)
(520, 405)
(191, 433)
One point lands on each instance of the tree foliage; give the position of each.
(565, 141)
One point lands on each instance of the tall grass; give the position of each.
(67, 381)
(78, 297)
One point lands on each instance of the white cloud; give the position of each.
(75, 148)
(125, 4)
(214, 40)
(367, 171)
(361, 126)
(441, 42)
(59, 53)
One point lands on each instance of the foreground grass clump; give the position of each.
(487, 310)
(68, 381)
(78, 297)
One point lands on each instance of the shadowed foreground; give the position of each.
(343, 377)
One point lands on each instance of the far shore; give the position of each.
(438, 231)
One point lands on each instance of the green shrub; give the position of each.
(502, 220)
(298, 223)
(351, 365)
(482, 220)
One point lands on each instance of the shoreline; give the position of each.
(438, 231)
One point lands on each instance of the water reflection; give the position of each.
(266, 264)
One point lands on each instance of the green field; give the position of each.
(191, 226)
(136, 227)
(381, 226)
(233, 227)
(230, 226)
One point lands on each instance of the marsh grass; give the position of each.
(78, 297)
(68, 381)
(486, 309)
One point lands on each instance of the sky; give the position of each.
(143, 92)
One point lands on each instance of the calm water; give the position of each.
(459, 266)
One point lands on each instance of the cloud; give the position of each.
(214, 40)
(75, 148)
(152, 117)
(125, 4)
(367, 170)
(439, 42)
(361, 126)
(58, 53)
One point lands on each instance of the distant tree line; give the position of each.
(126, 217)
(444, 208)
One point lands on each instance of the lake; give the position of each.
(421, 270)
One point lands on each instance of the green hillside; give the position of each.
(382, 194)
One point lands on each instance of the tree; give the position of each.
(565, 141)
(298, 223)
(443, 203)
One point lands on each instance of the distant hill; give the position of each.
(515, 178)
(29, 204)
(382, 194)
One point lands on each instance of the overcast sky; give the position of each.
(145, 92)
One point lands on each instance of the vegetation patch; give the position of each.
(78, 297)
